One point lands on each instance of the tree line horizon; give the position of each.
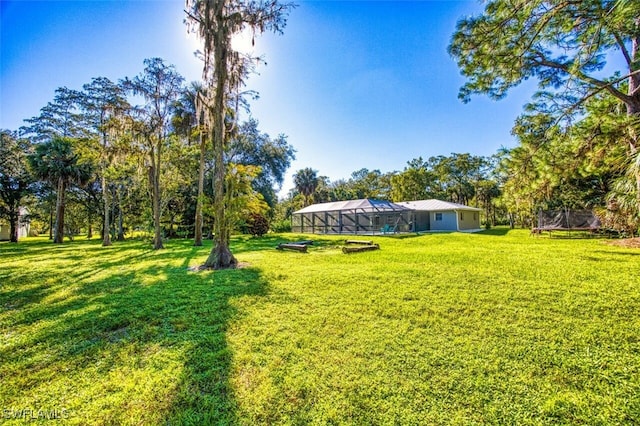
(182, 158)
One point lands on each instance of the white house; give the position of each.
(23, 226)
(368, 216)
(438, 215)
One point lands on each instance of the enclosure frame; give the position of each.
(358, 217)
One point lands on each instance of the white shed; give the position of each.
(23, 226)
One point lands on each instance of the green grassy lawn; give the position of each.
(490, 328)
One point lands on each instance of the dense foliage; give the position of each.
(138, 164)
(153, 165)
(579, 137)
(460, 178)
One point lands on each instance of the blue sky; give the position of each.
(352, 84)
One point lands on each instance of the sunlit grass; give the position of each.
(496, 327)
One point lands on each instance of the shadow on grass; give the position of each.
(402, 236)
(145, 345)
(613, 254)
(498, 232)
(245, 243)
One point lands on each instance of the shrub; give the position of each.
(281, 226)
(257, 225)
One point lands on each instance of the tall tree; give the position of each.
(565, 166)
(216, 22)
(189, 121)
(306, 181)
(565, 45)
(59, 118)
(159, 85)
(413, 182)
(15, 178)
(103, 102)
(58, 163)
(367, 183)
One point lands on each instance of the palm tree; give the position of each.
(306, 181)
(57, 162)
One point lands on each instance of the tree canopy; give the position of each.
(58, 162)
(575, 142)
(564, 44)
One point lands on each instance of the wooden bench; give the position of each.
(289, 246)
(358, 249)
(359, 242)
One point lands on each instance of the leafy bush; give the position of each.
(257, 225)
(281, 226)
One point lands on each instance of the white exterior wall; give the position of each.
(4, 232)
(449, 221)
(468, 220)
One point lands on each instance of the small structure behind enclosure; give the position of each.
(567, 220)
(365, 216)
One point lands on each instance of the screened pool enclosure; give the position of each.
(352, 217)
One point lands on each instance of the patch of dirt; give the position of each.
(627, 243)
(198, 268)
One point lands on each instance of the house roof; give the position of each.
(363, 205)
(436, 205)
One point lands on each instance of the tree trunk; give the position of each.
(197, 241)
(89, 225)
(14, 216)
(50, 221)
(120, 236)
(633, 107)
(155, 207)
(220, 256)
(487, 214)
(154, 174)
(106, 237)
(157, 239)
(59, 227)
(112, 225)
